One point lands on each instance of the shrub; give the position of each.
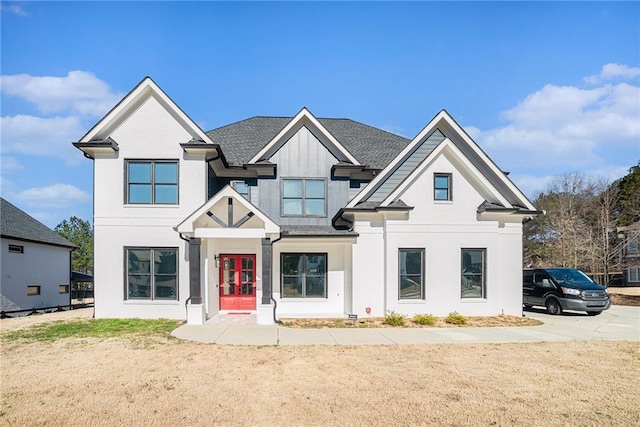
(424, 319)
(394, 319)
(455, 318)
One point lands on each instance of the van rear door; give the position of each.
(527, 287)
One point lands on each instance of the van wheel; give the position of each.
(553, 306)
(593, 313)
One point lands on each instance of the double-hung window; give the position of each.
(473, 277)
(442, 187)
(152, 273)
(411, 271)
(304, 275)
(152, 182)
(304, 197)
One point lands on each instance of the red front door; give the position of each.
(237, 282)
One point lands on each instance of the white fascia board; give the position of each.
(511, 217)
(370, 188)
(186, 226)
(145, 89)
(230, 233)
(304, 117)
(446, 144)
(524, 199)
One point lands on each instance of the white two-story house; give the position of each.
(297, 217)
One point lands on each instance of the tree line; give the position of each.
(579, 227)
(80, 233)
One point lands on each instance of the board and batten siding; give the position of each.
(408, 165)
(302, 156)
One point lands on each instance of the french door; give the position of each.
(237, 282)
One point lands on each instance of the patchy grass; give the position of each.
(94, 328)
(379, 322)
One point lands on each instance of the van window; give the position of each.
(527, 277)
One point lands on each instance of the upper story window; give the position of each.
(16, 249)
(304, 197)
(242, 188)
(152, 182)
(633, 247)
(442, 186)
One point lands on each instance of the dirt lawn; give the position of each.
(166, 382)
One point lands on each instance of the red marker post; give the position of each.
(368, 310)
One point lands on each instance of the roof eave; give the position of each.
(101, 146)
(22, 239)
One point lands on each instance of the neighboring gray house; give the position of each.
(630, 253)
(35, 261)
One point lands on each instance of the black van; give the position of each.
(560, 289)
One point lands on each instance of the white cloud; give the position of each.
(531, 185)
(42, 137)
(10, 164)
(53, 196)
(79, 93)
(614, 71)
(14, 9)
(567, 127)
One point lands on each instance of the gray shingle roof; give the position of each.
(372, 147)
(16, 224)
(368, 206)
(314, 230)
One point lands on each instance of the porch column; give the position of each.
(266, 271)
(195, 285)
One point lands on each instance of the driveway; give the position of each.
(619, 323)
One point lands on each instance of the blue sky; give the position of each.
(545, 88)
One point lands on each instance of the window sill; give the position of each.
(443, 202)
(412, 301)
(303, 216)
(150, 205)
(149, 302)
(473, 300)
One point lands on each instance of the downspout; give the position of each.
(186, 240)
(275, 303)
(70, 280)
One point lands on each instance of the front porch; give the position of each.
(236, 252)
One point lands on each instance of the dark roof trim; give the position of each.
(492, 207)
(89, 148)
(379, 209)
(286, 235)
(76, 276)
(21, 239)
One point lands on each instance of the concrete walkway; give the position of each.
(619, 323)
